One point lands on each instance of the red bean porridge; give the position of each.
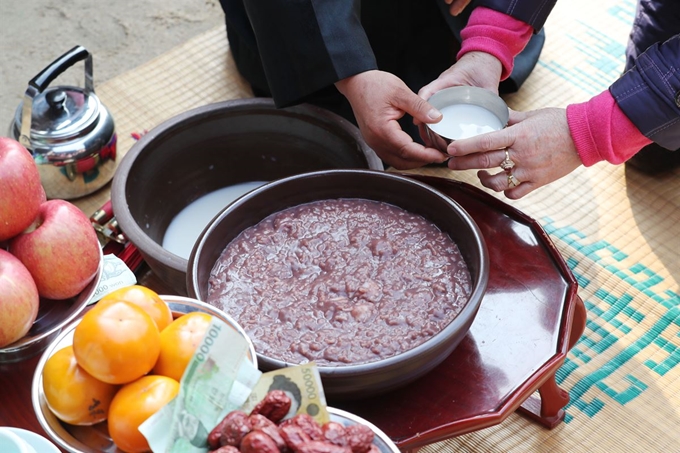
(340, 281)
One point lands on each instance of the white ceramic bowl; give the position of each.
(12, 443)
(467, 111)
(95, 438)
(53, 315)
(17, 440)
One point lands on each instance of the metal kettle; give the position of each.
(67, 129)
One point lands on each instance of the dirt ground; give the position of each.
(120, 35)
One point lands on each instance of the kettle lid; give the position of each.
(60, 113)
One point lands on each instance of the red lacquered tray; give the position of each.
(530, 317)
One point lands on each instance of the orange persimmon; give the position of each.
(116, 342)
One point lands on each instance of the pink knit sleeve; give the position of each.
(497, 34)
(601, 131)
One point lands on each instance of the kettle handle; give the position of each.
(61, 64)
(41, 81)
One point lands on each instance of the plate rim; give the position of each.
(13, 351)
(35, 440)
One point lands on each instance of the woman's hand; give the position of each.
(478, 69)
(379, 99)
(538, 142)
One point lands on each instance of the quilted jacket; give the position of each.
(649, 91)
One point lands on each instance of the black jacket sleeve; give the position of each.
(306, 45)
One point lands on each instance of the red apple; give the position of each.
(19, 301)
(20, 189)
(60, 249)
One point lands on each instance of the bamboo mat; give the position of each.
(617, 230)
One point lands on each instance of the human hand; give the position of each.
(478, 69)
(457, 6)
(538, 142)
(379, 99)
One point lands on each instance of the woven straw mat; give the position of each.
(617, 230)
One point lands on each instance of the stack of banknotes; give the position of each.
(221, 378)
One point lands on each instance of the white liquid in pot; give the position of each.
(465, 120)
(186, 226)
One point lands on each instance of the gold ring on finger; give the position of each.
(507, 164)
(512, 181)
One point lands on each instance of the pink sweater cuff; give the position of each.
(601, 131)
(497, 34)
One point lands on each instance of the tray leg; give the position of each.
(548, 409)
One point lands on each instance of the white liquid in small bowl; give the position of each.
(465, 120)
(185, 227)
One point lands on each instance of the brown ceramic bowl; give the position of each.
(219, 145)
(355, 380)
